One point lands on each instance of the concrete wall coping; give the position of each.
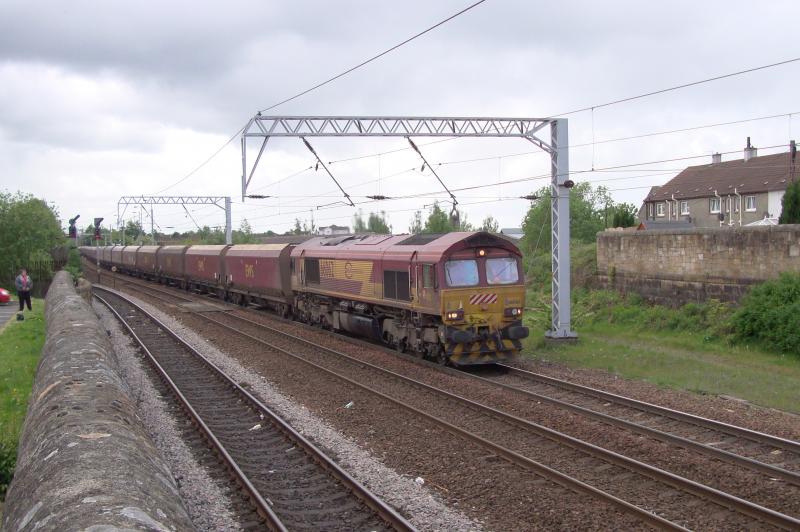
(786, 228)
(85, 460)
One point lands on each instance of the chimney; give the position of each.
(750, 151)
(716, 158)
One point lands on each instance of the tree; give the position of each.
(245, 233)
(588, 208)
(133, 229)
(298, 228)
(359, 226)
(624, 215)
(490, 225)
(377, 224)
(416, 224)
(29, 230)
(438, 221)
(790, 204)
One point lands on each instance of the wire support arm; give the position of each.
(322, 163)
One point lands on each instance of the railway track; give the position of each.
(776, 457)
(760, 515)
(291, 483)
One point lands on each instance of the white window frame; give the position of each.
(712, 202)
(649, 210)
(684, 207)
(660, 209)
(747, 206)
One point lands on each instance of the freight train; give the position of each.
(456, 298)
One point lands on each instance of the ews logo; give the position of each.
(249, 271)
(201, 265)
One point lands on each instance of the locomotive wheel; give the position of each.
(401, 345)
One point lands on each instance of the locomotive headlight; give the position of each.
(454, 315)
(513, 312)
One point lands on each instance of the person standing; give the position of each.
(24, 285)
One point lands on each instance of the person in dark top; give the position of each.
(24, 285)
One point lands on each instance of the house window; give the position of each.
(750, 203)
(649, 210)
(684, 207)
(714, 205)
(659, 209)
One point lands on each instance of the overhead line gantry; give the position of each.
(530, 129)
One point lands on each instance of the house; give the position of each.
(730, 193)
(333, 230)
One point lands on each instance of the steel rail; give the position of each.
(720, 454)
(683, 484)
(733, 502)
(389, 515)
(731, 430)
(723, 455)
(510, 455)
(262, 506)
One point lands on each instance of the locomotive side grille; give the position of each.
(482, 299)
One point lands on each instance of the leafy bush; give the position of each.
(770, 313)
(607, 306)
(74, 263)
(8, 460)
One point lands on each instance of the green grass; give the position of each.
(20, 346)
(688, 348)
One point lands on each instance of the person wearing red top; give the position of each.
(24, 285)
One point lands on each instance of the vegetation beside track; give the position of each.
(695, 347)
(20, 346)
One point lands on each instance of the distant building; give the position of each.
(731, 193)
(512, 232)
(333, 230)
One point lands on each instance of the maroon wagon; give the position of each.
(169, 263)
(203, 266)
(259, 273)
(146, 260)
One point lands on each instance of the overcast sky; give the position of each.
(103, 99)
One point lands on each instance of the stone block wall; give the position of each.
(85, 460)
(675, 267)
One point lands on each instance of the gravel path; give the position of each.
(419, 504)
(206, 498)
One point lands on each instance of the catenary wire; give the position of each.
(373, 58)
(677, 87)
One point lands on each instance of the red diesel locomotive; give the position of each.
(455, 298)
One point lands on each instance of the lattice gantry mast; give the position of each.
(266, 127)
(223, 202)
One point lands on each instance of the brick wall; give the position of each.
(685, 265)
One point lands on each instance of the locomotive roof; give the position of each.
(429, 247)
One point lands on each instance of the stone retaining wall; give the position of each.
(676, 267)
(85, 460)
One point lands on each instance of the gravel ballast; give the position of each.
(205, 497)
(400, 446)
(421, 506)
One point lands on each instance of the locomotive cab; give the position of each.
(482, 301)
